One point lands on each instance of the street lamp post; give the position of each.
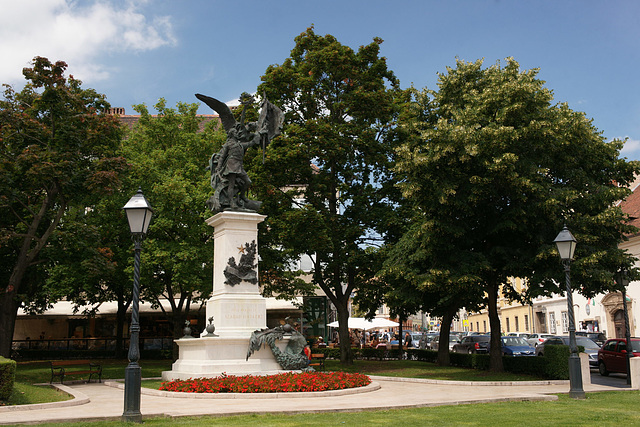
(623, 282)
(566, 244)
(139, 214)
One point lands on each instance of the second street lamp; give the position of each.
(566, 245)
(139, 214)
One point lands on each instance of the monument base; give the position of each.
(210, 357)
(237, 315)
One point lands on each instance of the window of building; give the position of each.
(470, 326)
(484, 323)
(552, 323)
(516, 324)
(478, 326)
(565, 322)
(526, 322)
(508, 327)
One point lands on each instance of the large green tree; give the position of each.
(57, 153)
(496, 172)
(326, 181)
(168, 154)
(92, 252)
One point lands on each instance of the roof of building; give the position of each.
(631, 206)
(131, 119)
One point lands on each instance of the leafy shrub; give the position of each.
(422, 355)
(7, 377)
(553, 365)
(473, 361)
(557, 362)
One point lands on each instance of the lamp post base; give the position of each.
(576, 390)
(132, 389)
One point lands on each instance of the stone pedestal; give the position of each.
(237, 310)
(585, 369)
(635, 372)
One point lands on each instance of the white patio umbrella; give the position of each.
(362, 323)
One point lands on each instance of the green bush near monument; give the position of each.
(7, 377)
(552, 366)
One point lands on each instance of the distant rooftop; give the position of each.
(132, 119)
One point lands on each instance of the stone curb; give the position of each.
(79, 398)
(469, 383)
(357, 390)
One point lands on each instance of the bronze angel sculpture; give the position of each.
(229, 180)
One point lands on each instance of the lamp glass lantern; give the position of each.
(139, 213)
(566, 244)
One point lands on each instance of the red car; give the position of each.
(612, 357)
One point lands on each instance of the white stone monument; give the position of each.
(237, 309)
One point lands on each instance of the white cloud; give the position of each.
(631, 149)
(79, 33)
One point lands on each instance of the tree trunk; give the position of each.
(8, 313)
(402, 320)
(177, 321)
(346, 357)
(495, 356)
(443, 339)
(120, 321)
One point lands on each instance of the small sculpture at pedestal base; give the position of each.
(295, 356)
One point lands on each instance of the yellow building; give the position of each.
(514, 317)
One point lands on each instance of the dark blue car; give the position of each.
(516, 346)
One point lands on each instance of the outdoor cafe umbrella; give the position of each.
(364, 324)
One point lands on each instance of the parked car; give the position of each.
(424, 342)
(415, 339)
(612, 357)
(472, 344)
(598, 337)
(535, 339)
(516, 346)
(453, 340)
(590, 347)
(519, 334)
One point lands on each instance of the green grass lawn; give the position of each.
(601, 409)
(415, 369)
(29, 373)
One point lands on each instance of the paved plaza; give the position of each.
(105, 401)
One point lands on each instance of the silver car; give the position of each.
(590, 347)
(535, 339)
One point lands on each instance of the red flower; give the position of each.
(285, 382)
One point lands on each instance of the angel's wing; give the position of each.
(223, 110)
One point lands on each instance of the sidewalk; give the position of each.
(105, 401)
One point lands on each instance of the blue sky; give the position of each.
(135, 52)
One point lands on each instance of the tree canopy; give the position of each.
(496, 170)
(168, 156)
(58, 151)
(325, 182)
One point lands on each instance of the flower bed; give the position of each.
(285, 382)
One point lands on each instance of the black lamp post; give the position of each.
(139, 214)
(566, 244)
(623, 281)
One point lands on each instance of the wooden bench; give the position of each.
(317, 361)
(60, 368)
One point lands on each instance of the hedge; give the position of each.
(553, 365)
(7, 377)
(37, 354)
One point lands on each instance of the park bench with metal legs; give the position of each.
(61, 368)
(317, 361)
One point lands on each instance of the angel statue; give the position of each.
(229, 180)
